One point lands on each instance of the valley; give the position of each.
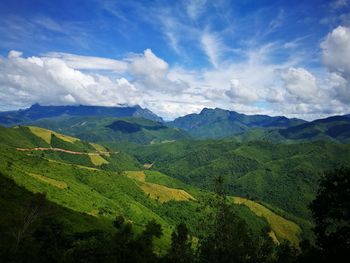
(148, 171)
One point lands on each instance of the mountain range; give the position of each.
(96, 163)
(138, 125)
(218, 123)
(37, 111)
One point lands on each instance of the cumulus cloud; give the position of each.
(46, 80)
(14, 54)
(240, 92)
(336, 57)
(300, 84)
(254, 85)
(151, 73)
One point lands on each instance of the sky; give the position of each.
(288, 58)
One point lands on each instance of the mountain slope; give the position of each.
(100, 191)
(99, 129)
(283, 175)
(37, 111)
(336, 128)
(218, 123)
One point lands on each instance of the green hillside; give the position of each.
(218, 123)
(336, 129)
(108, 129)
(100, 192)
(282, 175)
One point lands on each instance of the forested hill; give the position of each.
(336, 129)
(112, 129)
(218, 123)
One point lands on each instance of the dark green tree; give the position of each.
(181, 245)
(331, 213)
(142, 249)
(229, 238)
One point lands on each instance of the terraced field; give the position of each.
(158, 192)
(281, 227)
(53, 182)
(47, 134)
(97, 160)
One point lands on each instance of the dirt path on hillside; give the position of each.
(61, 150)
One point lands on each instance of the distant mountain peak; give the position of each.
(219, 123)
(37, 111)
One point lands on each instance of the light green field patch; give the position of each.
(75, 165)
(282, 228)
(273, 237)
(53, 182)
(163, 194)
(137, 175)
(100, 148)
(46, 135)
(97, 160)
(148, 166)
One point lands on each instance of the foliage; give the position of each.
(112, 129)
(331, 212)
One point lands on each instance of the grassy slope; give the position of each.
(103, 192)
(283, 176)
(282, 228)
(14, 200)
(97, 129)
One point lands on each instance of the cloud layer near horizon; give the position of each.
(253, 86)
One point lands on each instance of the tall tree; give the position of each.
(180, 250)
(331, 212)
(229, 239)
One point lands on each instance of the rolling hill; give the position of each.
(283, 175)
(336, 128)
(110, 129)
(37, 160)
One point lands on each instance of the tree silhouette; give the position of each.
(331, 212)
(180, 250)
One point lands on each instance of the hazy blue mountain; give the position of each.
(219, 123)
(37, 111)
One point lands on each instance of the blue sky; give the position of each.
(176, 57)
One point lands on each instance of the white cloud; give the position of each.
(88, 62)
(213, 47)
(46, 80)
(336, 4)
(336, 56)
(300, 84)
(148, 65)
(14, 54)
(255, 85)
(151, 73)
(241, 93)
(195, 8)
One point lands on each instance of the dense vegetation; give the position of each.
(102, 192)
(97, 129)
(42, 233)
(336, 129)
(149, 193)
(271, 173)
(219, 123)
